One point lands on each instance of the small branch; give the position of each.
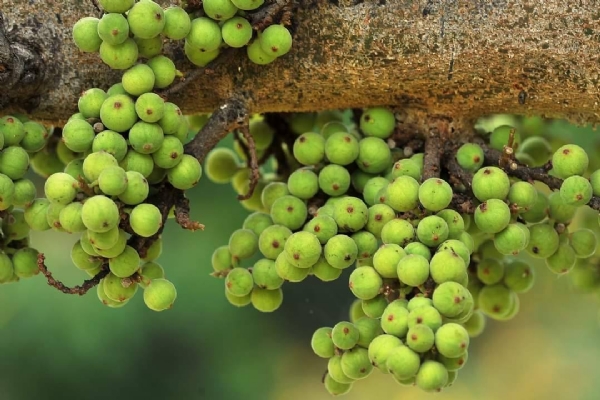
(507, 159)
(231, 115)
(224, 58)
(285, 136)
(527, 174)
(266, 16)
(165, 198)
(431, 159)
(523, 172)
(182, 215)
(457, 174)
(97, 7)
(356, 115)
(252, 163)
(80, 289)
(238, 138)
(193, 5)
(462, 203)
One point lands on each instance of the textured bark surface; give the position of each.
(458, 58)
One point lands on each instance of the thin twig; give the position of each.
(432, 156)
(508, 152)
(185, 80)
(457, 174)
(164, 200)
(463, 203)
(182, 215)
(529, 174)
(266, 16)
(492, 157)
(285, 136)
(79, 289)
(224, 58)
(252, 163)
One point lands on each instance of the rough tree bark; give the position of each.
(460, 58)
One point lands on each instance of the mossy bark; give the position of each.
(457, 58)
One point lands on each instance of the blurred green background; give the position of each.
(57, 346)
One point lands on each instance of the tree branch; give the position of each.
(392, 54)
(79, 289)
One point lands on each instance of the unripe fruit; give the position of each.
(452, 340)
(139, 79)
(113, 28)
(341, 148)
(61, 188)
(435, 194)
(569, 160)
(219, 10)
(334, 180)
(432, 230)
(186, 174)
(118, 113)
(113, 181)
(111, 142)
(177, 23)
(116, 6)
(322, 344)
(265, 300)
(236, 32)
(432, 376)
(95, 163)
(120, 56)
(145, 220)
(146, 19)
(70, 218)
(90, 102)
(523, 195)
(576, 191)
(365, 283)
(103, 240)
(160, 295)
(490, 183)
(492, 216)
(248, 5)
(402, 194)
(543, 241)
(100, 214)
(25, 262)
(205, 34)
(374, 155)
(118, 289)
(380, 350)
(85, 34)
(276, 40)
(302, 249)
(340, 251)
(126, 263)
(239, 282)
(303, 183)
(470, 156)
(394, 320)
(149, 48)
(309, 148)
